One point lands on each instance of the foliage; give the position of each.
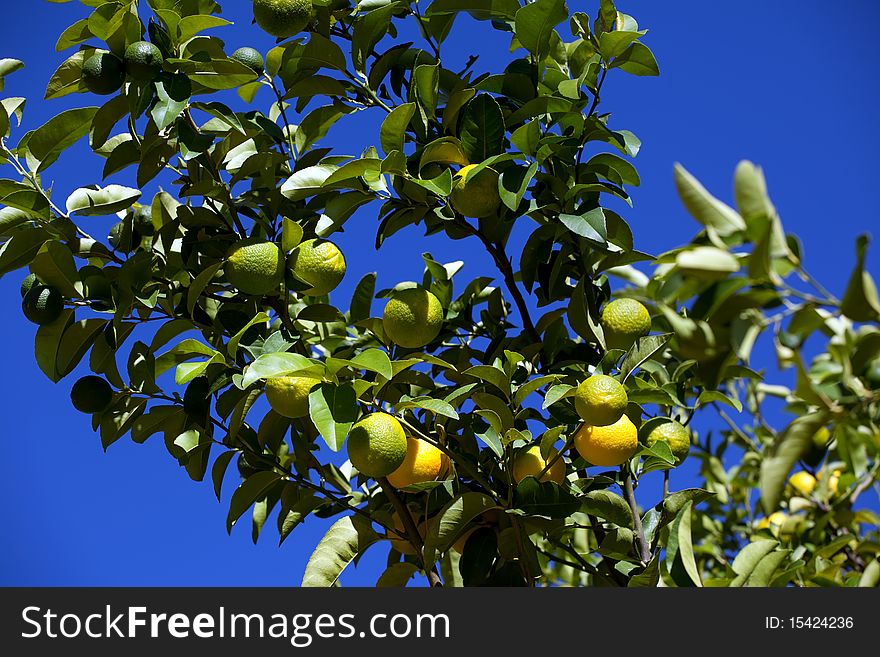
(188, 355)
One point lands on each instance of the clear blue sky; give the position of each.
(789, 84)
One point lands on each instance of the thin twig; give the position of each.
(412, 532)
(644, 548)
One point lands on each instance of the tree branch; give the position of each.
(644, 548)
(412, 531)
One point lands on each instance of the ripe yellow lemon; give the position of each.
(319, 263)
(607, 446)
(413, 318)
(530, 463)
(803, 483)
(377, 445)
(423, 462)
(478, 195)
(773, 522)
(600, 400)
(283, 18)
(833, 484)
(624, 321)
(673, 434)
(289, 395)
(255, 267)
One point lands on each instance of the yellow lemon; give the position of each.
(423, 462)
(530, 463)
(607, 446)
(803, 483)
(476, 196)
(289, 395)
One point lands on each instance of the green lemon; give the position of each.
(255, 267)
(413, 318)
(624, 321)
(319, 263)
(143, 61)
(42, 304)
(91, 394)
(283, 18)
(377, 445)
(103, 73)
(673, 434)
(476, 196)
(600, 400)
(250, 58)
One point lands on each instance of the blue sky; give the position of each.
(788, 84)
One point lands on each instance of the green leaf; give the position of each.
(173, 93)
(450, 522)
(590, 226)
(94, 201)
(345, 540)
(637, 60)
(436, 406)
(481, 128)
(58, 134)
(47, 343)
(708, 262)
(641, 352)
(608, 506)
(67, 78)
(614, 168)
(871, 575)
(53, 264)
(789, 447)
(748, 559)
(704, 207)
(514, 183)
(680, 550)
(860, 301)
(534, 23)
(362, 299)
(232, 345)
(253, 489)
(547, 499)
(199, 284)
(676, 501)
(375, 360)
(391, 135)
(291, 235)
(368, 30)
(269, 365)
(397, 575)
(492, 375)
(76, 341)
(333, 409)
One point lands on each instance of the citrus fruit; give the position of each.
(600, 400)
(143, 61)
(255, 267)
(478, 195)
(673, 434)
(29, 281)
(803, 483)
(250, 58)
(289, 395)
(142, 220)
(103, 73)
(319, 263)
(91, 394)
(833, 484)
(283, 18)
(609, 445)
(821, 438)
(412, 318)
(423, 462)
(773, 522)
(42, 304)
(377, 445)
(530, 463)
(623, 322)
(401, 543)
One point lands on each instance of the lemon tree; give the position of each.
(491, 430)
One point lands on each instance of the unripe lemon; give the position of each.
(319, 263)
(477, 196)
(255, 267)
(530, 463)
(289, 395)
(42, 304)
(143, 61)
(251, 58)
(283, 18)
(103, 73)
(673, 434)
(91, 394)
(803, 483)
(423, 462)
(624, 321)
(607, 446)
(600, 400)
(377, 445)
(413, 318)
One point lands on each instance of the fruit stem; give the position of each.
(644, 548)
(412, 532)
